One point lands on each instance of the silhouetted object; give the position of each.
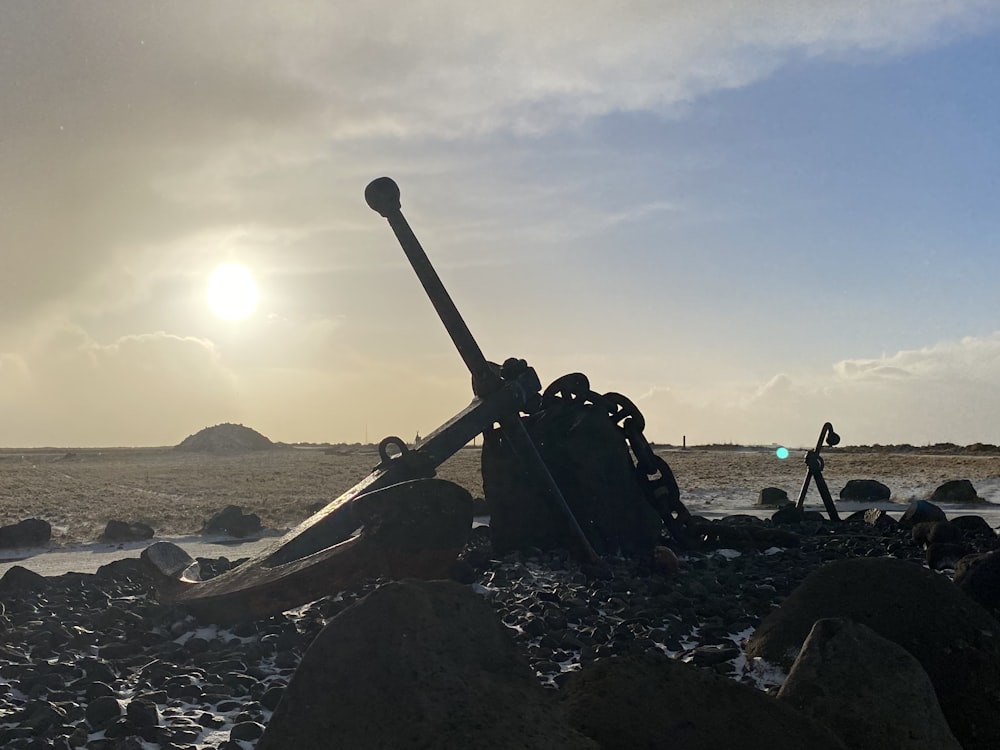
(956, 641)
(814, 471)
(773, 497)
(410, 529)
(417, 664)
(587, 441)
(865, 491)
(958, 491)
(123, 531)
(844, 668)
(382, 196)
(233, 521)
(325, 552)
(31, 532)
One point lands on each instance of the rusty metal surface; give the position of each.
(383, 197)
(413, 529)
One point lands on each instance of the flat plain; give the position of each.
(79, 490)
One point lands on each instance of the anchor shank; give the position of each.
(383, 196)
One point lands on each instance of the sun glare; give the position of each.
(232, 292)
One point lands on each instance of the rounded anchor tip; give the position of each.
(382, 195)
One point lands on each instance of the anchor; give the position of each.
(814, 471)
(399, 521)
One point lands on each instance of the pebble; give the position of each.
(95, 661)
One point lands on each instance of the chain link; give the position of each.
(659, 484)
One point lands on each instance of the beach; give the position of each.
(79, 490)
(215, 688)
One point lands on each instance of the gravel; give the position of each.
(95, 661)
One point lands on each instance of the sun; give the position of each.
(232, 292)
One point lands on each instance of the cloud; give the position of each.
(949, 392)
(134, 391)
(131, 126)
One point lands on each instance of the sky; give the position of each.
(749, 218)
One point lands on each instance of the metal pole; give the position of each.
(382, 196)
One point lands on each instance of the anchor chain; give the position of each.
(657, 479)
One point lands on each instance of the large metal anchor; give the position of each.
(325, 553)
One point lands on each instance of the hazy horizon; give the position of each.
(748, 218)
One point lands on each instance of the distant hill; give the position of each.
(225, 439)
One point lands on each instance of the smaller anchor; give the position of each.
(814, 471)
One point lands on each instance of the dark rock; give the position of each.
(97, 670)
(955, 640)
(233, 521)
(122, 531)
(767, 537)
(169, 560)
(844, 669)
(979, 577)
(975, 526)
(31, 532)
(124, 570)
(399, 669)
(41, 716)
(246, 731)
(103, 711)
(944, 556)
(935, 532)
(876, 518)
(271, 697)
(712, 654)
(656, 702)
(142, 713)
(958, 491)
(865, 491)
(98, 689)
(19, 579)
(919, 511)
(789, 514)
(772, 496)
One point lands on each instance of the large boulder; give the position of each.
(927, 533)
(124, 531)
(660, 703)
(865, 491)
(955, 640)
(772, 497)
(845, 669)
(975, 527)
(31, 532)
(19, 580)
(417, 664)
(958, 491)
(920, 511)
(233, 521)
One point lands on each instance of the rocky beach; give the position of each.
(102, 661)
